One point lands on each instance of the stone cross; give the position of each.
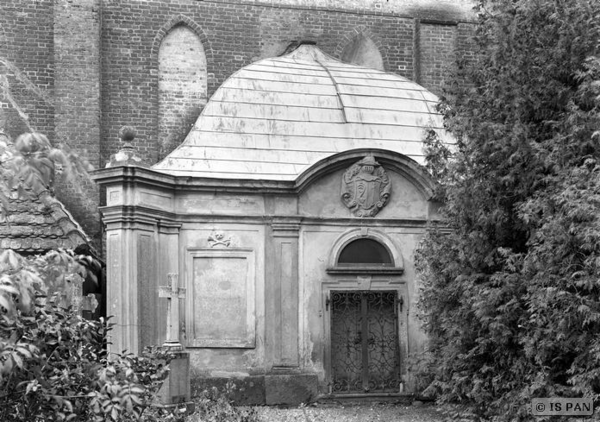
(87, 305)
(73, 296)
(172, 292)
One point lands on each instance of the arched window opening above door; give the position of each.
(367, 252)
(362, 252)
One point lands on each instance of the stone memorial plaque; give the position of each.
(222, 298)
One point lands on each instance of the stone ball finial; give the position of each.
(127, 155)
(127, 133)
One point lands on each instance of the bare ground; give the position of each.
(353, 412)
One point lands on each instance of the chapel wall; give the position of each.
(257, 273)
(401, 222)
(323, 199)
(222, 267)
(316, 244)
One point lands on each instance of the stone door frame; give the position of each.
(365, 283)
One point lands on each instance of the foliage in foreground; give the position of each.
(511, 296)
(215, 406)
(53, 363)
(31, 166)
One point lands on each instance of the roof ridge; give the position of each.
(49, 200)
(337, 89)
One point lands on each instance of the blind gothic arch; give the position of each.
(362, 51)
(361, 47)
(181, 53)
(178, 21)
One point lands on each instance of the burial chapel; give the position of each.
(290, 214)
(281, 183)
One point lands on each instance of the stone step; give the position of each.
(396, 398)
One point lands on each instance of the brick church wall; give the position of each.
(27, 41)
(77, 101)
(77, 75)
(465, 43)
(437, 53)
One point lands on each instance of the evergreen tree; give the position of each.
(511, 278)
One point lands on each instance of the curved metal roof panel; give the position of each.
(277, 117)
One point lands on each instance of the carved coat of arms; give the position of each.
(366, 187)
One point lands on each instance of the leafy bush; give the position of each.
(54, 364)
(31, 165)
(511, 296)
(215, 406)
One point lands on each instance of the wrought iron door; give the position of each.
(364, 342)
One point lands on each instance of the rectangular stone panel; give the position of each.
(114, 196)
(147, 285)
(221, 298)
(155, 199)
(288, 353)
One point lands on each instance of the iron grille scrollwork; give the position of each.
(364, 342)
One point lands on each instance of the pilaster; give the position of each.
(168, 263)
(282, 308)
(142, 240)
(131, 249)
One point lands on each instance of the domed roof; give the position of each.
(275, 118)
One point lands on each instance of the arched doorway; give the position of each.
(364, 303)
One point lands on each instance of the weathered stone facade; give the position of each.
(259, 265)
(291, 213)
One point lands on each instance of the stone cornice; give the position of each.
(130, 175)
(136, 213)
(277, 222)
(362, 222)
(289, 225)
(139, 176)
(365, 270)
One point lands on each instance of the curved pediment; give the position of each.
(399, 163)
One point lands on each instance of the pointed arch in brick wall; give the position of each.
(360, 46)
(177, 21)
(182, 54)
